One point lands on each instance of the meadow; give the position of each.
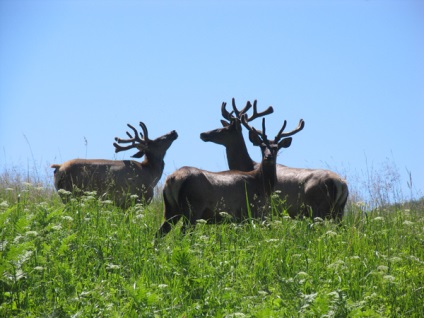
(89, 258)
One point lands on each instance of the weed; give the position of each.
(90, 258)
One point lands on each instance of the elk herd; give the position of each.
(244, 191)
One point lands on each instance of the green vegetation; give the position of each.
(91, 259)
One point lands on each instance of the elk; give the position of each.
(118, 179)
(196, 194)
(305, 192)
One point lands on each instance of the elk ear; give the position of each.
(254, 138)
(285, 143)
(224, 123)
(138, 154)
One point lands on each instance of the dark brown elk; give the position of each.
(118, 180)
(305, 192)
(196, 194)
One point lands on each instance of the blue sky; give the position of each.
(74, 73)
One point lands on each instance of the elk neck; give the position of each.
(268, 175)
(154, 163)
(238, 157)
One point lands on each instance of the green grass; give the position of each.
(91, 259)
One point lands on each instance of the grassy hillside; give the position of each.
(91, 259)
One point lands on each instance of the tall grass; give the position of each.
(89, 258)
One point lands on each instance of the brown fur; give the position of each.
(196, 194)
(116, 179)
(306, 192)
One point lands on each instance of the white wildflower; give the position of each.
(90, 193)
(382, 268)
(310, 297)
(17, 239)
(4, 204)
(204, 238)
(302, 274)
(395, 259)
(43, 205)
(64, 192)
(275, 196)
(112, 266)
(389, 278)
(139, 206)
(3, 245)
(334, 294)
(337, 264)
(89, 198)
(331, 233)
(272, 240)
(17, 275)
(225, 215)
(360, 204)
(162, 286)
(31, 233)
(85, 293)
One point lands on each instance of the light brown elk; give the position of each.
(118, 179)
(196, 194)
(306, 192)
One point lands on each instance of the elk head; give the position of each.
(143, 144)
(232, 127)
(269, 148)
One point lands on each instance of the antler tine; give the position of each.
(119, 148)
(261, 134)
(245, 109)
(225, 112)
(240, 113)
(244, 122)
(291, 133)
(131, 140)
(281, 131)
(146, 134)
(255, 114)
(263, 129)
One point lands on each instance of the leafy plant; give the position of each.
(90, 258)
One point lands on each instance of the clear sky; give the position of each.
(74, 73)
